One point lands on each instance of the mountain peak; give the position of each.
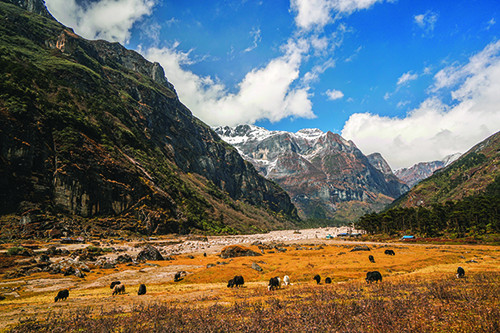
(321, 171)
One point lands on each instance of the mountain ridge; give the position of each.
(321, 171)
(92, 130)
(422, 170)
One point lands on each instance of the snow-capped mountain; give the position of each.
(321, 171)
(418, 172)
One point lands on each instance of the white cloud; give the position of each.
(316, 71)
(407, 77)
(334, 94)
(426, 21)
(255, 33)
(264, 93)
(318, 13)
(435, 129)
(106, 19)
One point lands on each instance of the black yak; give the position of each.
(317, 278)
(328, 280)
(370, 257)
(62, 295)
(460, 272)
(273, 283)
(389, 252)
(142, 290)
(373, 276)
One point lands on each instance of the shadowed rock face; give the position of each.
(319, 170)
(92, 129)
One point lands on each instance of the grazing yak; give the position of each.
(236, 281)
(274, 283)
(286, 280)
(119, 289)
(142, 290)
(317, 278)
(177, 277)
(370, 257)
(113, 284)
(373, 276)
(62, 295)
(389, 252)
(328, 280)
(460, 272)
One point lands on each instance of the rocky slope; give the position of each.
(89, 129)
(467, 176)
(418, 172)
(325, 175)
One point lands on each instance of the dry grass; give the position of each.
(419, 293)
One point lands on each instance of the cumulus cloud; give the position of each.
(313, 14)
(407, 77)
(434, 129)
(106, 19)
(426, 21)
(264, 93)
(334, 94)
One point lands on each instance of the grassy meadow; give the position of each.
(419, 293)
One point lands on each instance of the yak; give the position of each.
(62, 295)
(273, 283)
(142, 290)
(373, 276)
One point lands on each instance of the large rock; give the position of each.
(237, 251)
(149, 253)
(360, 248)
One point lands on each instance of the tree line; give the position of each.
(472, 216)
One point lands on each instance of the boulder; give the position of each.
(149, 253)
(237, 251)
(360, 248)
(124, 258)
(256, 267)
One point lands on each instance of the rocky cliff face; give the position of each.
(397, 185)
(91, 129)
(321, 171)
(423, 170)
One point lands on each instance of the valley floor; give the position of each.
(419, 289)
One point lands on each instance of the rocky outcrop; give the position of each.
(320, 171)
(397, 185)
(91, 129)
(149, 253)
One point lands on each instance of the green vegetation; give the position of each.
(472, 216)
(16, 250)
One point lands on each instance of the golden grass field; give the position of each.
(205, 288)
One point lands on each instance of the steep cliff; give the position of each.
(326, 176)
(90, 129)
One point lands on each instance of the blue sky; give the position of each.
(413, 79)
